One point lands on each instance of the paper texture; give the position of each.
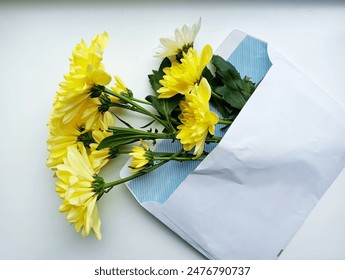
(252, 193)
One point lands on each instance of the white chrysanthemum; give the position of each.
(184, 39)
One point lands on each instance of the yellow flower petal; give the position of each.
(99, 77)
(196, 118)
(180, 78)
(86, 70)
(75, 179)
(140, 157)
(205, 56)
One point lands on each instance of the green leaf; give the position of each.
(123, 121)
(206, 73)
(156, 76)
(154, 80)
(115, 141)
(233, 89)
(233, 97)
(148, 124)
(123, 136)
(219, 106)
(155, 103)
(248, 88)
(164, 106)
(224, 69)
(165, 63)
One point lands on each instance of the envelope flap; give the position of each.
(254, 191)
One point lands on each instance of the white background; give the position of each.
(36, 40)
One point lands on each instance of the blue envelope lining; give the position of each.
(250, 58)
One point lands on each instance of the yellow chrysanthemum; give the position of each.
(64, 135)
(75, 187)
(119, 87)
(86, 70)
(181, 77)
(60, 138)
(99, 158)
(184, 39)
(197, 119)
(91, 113)
(141, 157)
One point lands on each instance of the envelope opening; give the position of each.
(249, 204)
(250, 57)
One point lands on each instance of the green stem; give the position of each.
(136, 107)
(124, 132)
(216, 95)
(158, 156)
(224, 121)
(141, 101)
(177, 158)
(213, 139)
(108, 186)
(124, 152)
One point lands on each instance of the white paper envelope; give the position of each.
(252, 193)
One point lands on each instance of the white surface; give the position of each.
(36, 41)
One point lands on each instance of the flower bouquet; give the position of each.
(232, 189)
